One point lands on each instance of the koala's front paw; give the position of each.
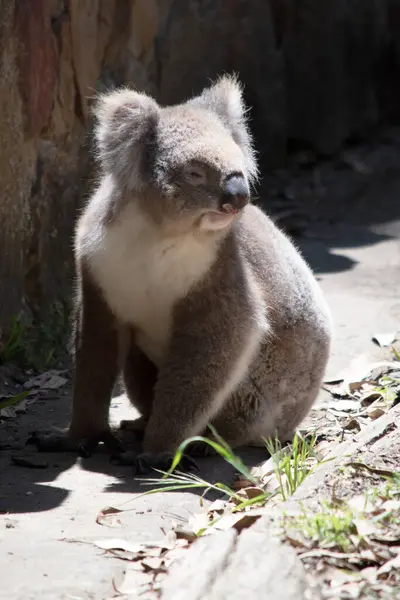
(84, 447)
(127, 458)
(135, 427)
(200, 450)
(162, 462)
(87, 446)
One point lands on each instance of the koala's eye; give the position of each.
(195, 175)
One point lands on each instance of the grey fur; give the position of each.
(211, 316)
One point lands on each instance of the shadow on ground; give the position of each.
(30, 490)
(346, 210)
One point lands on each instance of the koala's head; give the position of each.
(192, 162)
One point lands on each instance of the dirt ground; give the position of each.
(345, 217)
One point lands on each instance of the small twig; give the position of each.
(374, 470)
(320, 553)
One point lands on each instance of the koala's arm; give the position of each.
(214, 339)
(97, 347)
(97, 352)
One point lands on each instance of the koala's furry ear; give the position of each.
(225, 98)
(126, 124)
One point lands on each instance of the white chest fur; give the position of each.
(143, 274)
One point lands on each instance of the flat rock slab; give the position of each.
(378, 443)
(255, 564)
(228, 566)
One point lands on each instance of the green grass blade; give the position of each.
(396, 353)
(222, 449)
(13, 400)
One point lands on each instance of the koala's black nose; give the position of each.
(235, 193)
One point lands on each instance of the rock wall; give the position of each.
(316, 74)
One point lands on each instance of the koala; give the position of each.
(186, 288)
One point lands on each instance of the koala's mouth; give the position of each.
(219, 219)
(229, 209)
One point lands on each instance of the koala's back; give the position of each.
(291, 291)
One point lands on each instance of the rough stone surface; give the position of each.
(315, 73)
(378, 440)
(217, 568)
(193, 576)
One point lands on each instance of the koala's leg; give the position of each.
(299, 362)
(139, 375)
(97, 350)
(206, 360)
(280, 389)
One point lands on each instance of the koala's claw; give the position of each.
(200, 450)
(145, 463)
(58, 442)
(51, 442)
(87, 446)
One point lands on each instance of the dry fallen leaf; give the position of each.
(217, 506)
(360, 371)
(370, 556)
(107, 517)
(337, 577)
(364, 527)
(125, 555)
(375, 412)
(249, 493)
(132, 551)
(391, 505)
(354, 386)
(271, 483)
(370, 396)
(199, 521)
(20, 407)
(371, 469)
(32, 462)
(356, 163)
(267, 467)
(153, 563)
(297, 540)
(369, 573)
(132, 581)
(7, 413)
(324, 447)
(390, 565)
(185, 534)
(336, 388)
(119, 544)
(361, 503)
(351, 589)
(238, 520)
(384, 339)
(241, 483)
(352, 425)
(321, 552)
(387, 540)
(346, 405)
(50, 380)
